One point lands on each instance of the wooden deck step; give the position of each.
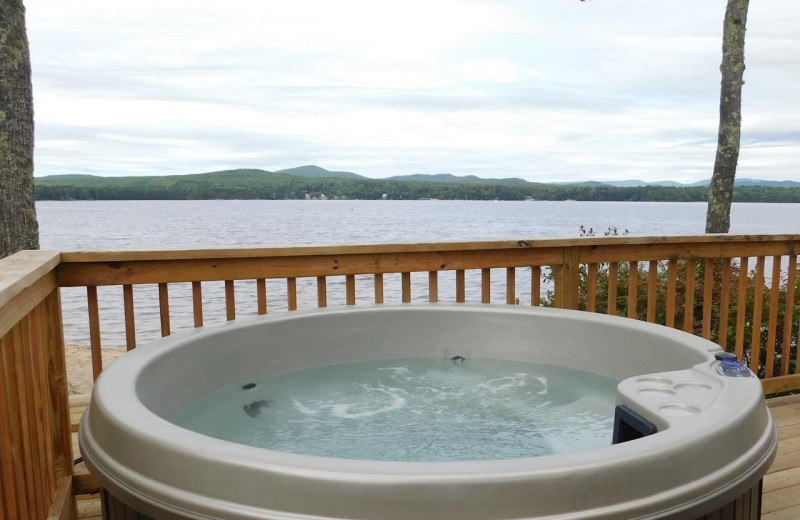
(781, 500)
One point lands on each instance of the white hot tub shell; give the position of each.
(715, 439)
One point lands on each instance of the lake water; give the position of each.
(115, 225)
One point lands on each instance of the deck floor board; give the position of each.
(781, 499)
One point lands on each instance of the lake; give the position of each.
(115, 225)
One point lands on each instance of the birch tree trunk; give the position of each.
(720, 192)
(18, 226)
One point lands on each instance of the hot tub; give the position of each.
(714, 436)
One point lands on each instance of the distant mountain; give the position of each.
(622, 184)
(637, 183)
(319, 173)
(257, 177)
(69, 179)
(672, 184)
(756, 182)
(220, 178)
(449, 178)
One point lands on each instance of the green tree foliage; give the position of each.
(697, 288)
(258, 184)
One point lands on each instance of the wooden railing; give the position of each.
(35, 443)
(738, 291)
(693, 283)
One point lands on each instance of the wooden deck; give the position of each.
(781, 484)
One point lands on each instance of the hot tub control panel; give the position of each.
(730, 366)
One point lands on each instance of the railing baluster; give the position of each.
(536, 285)
(758, 309)
(197, 304)
(652, 290)
(791, 277)
(633, 289)
(688, 308)
(16, 433)
(461, 286)
(291, 293)
(163, 304)
(406, 284)
(612, 288)
(261, 296)
(511, 285)
(40, 408)
(322, 291)
(230, 300)
(27, 348)
(130, 322)
(433, 286)
(486, 286)
(55, 359)
(8, 469)
(741, 303)
(94, 331)
(672, 282)
(724, 304)
(708, 304)
(378, 287)
(43, 409)
(772, 324)
(34, 427)
(350, 289)
(591, 287)
(28, 424)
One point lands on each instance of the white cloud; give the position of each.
(610, 89)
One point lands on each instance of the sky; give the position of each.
(545, 90)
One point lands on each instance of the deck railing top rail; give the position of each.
(414, 247)
(25, 279)
(22, 270)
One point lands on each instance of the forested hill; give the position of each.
(289, 184)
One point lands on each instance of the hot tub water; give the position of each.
(413, 409)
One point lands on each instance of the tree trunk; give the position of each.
(18, 226)
(720, 192)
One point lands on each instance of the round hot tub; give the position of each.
(692, 435)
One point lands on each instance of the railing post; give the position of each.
(36, 442)
(567, 279)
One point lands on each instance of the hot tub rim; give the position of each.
(179, 340)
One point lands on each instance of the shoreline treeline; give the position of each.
(257, 184)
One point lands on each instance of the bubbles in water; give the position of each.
(414, 410)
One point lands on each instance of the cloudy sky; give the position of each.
(547, 90)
